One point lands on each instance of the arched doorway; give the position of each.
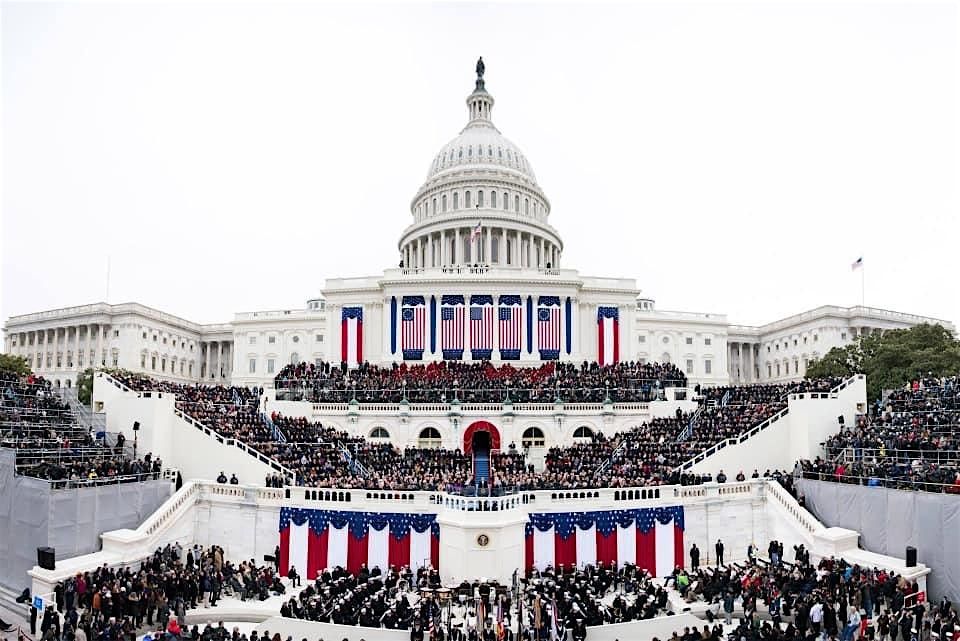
(479, 440)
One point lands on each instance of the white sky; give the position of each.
(230, 157)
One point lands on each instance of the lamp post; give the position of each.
(456, 383)
(403, 387)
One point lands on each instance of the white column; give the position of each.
(430, 253)
(219, 359)
(457, 249)
(443, 247)
(488, 253)
(502, 255)
(208, 366)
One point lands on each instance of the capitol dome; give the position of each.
(480, 202)
(481, 144)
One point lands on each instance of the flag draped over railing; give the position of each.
(510, 327)
(481, 326)
(413, 313)
(313, 540)
(651, 538)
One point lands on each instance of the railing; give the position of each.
(850, 454)
(355, 466)
(70, 484)
(232, 442)
(325, 409)
(800, 515)
(885, 482)
(278, 434)
(744, 436)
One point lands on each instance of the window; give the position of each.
(794, 342)
(296, 339)
(689, 340)
(583, 432)
(533, 437)
(143, 361)
(116, 333)
(666, 339)
(707, 366)
(778, 370)
(804, 340)
(164, 341)
(253, 340)
(379, 432)
(708, 341)
(689, 366)
(319, 338)
(443, 203)
(769, 372)
(253, 366)
(456, 200)
(506, 201)
(526, 205)
(271, 340)
(493, 200)
(516, 206)
(294, 358)
(154, 338)
(642, 339)
(480, 198)
(814, 338)
(153, 362)
(429, 438)
(466, 200)
(270, 365)
(144, 335)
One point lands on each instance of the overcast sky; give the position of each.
(230, 157)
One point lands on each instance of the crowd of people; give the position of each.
(801, 601)
(441, 382)
(50, 443)
(118, 603)
(910, 440)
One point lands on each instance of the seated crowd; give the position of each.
(909, 441)
(51, 444)
(441, 382)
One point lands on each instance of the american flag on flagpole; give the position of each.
(857, 264)
(476, 230)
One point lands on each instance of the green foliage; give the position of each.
(894, 358)
(16, 364)
(85, 386)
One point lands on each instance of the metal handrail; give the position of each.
(881, 481)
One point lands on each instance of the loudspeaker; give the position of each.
(46, 558)
(911, 556)
(840, 419)
(136, 426)
(269, 558)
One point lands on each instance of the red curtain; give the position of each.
(678, 554)
(528, 551)
(564, 550)
(359, 340)
(435, 551)
(647, 550)
(284, 551)
(317, 553)
(399, 552)
(607, 548)
(344, 328)
(616, 341)
(356, 552)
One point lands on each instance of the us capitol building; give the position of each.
(481, 277)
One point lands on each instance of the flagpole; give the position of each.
(107, 296)
(863, 289)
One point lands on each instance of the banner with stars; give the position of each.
(651, 538)
(314, 540)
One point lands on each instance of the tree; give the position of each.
(85, 386)
(894, 358)
(14, 364)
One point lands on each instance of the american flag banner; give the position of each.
(651, 538)
(413, 314)
(608, 335)
(313, 540)
(452, 327)
(481, 327)
(351, 335)
(510, 327)
(548, 327)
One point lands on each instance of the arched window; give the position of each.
(443, 203)
(480, 198)
(379, 432)
(516, 204)
(429, 438)
(532, 437)
(493, 200)
(526, 206)
(433, 207)
(456, 201)
(466, 200)
(506, 201)
(583, 432)
(294, 358)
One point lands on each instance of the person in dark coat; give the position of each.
(694, 557)
(719, 550)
